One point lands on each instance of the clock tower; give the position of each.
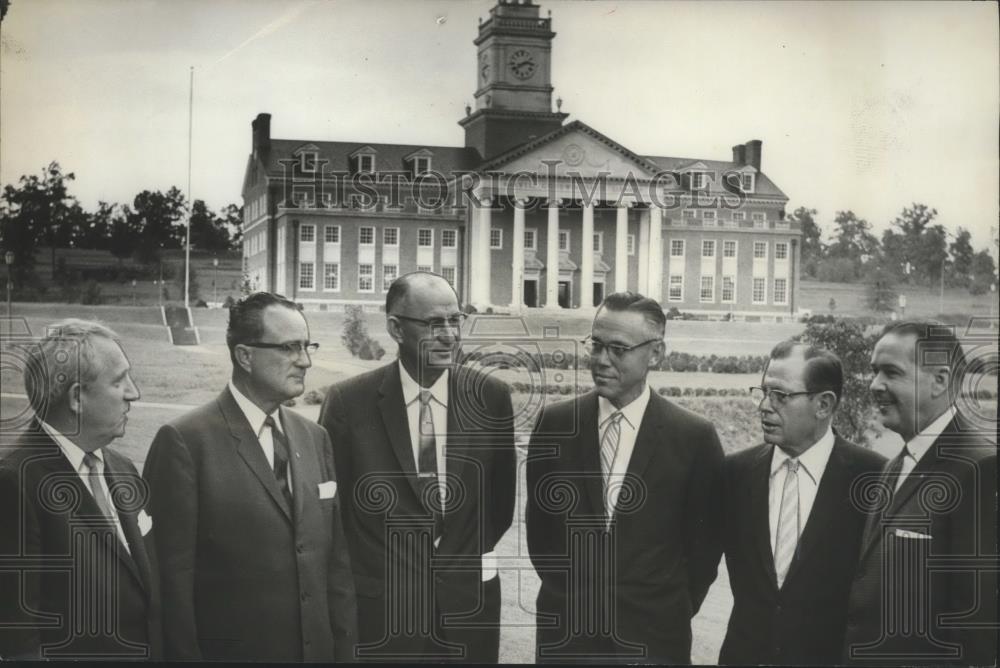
(513, 79)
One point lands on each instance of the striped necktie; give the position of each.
(609, 447)
(788, 522)
(280, 458)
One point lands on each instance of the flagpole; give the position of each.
(187, 233)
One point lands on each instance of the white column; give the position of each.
(621, 248)
(517, 259)
(472, 261)
(655, 252)
(485, 223)
(643, 286)
(587, 257)
(552, 257)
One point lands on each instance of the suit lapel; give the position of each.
(456, 452)
(249, 450)
(138, 561)
(650, 436)
(397, 426)
(760, 480)
(590, 452)
(304, 480)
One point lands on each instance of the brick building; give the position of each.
(532, 212)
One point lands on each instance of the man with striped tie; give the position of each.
(793, 524)
(622, 504)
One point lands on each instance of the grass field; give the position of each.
(173, 379)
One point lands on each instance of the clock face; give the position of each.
(484, 67)
(522, 64)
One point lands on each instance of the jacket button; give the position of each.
(300, 548)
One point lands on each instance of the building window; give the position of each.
(308, 161)
(676, 248)
(448, 273)
(708, 288)
(781, 291)
(631, 244)
(390, 236)
(449, 239)
(697, 180)
(759, 289)
(425, 237)
(366, 236)
(496, 238)
(389, 274)
(708, 217)
(421, 166)
(307, 276)
(530, 240)
(728, 249)
(366, 281)
(747, 183)
(759, 220)
(331, 234)
(366, 164)
(331, 276)
(598, 242)
(426, 268)
(729, 289)
(675, 289)
(690, 214)
(564, 240)
(780, 251)
(760, 250)
(708, 248)
(739, 216)
(307, 234)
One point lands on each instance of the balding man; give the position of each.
(77, 581)
(425, 455)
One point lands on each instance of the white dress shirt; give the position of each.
(439, 413)
(631, 420)
(812, 464)
(918, 446)
(256, 417)
(75, 456)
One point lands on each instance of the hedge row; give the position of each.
(673, 361)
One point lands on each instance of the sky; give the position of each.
(861, 106)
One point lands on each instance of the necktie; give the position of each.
(609, 446)
(94, 478)
(788, 522)
(280, 458)
(907, 464)
(427, 468)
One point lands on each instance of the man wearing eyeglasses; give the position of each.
(425, 454)
(622, 504)
(793, 523)
(252, 552)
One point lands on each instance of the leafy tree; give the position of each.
(232, 217)
(123, 230)
(881, 295)
(849, 341)
(984, 273)
(157, 216)
(962, 254)
(853, 240)
(208, 231)
(812, 245)
(912, 238)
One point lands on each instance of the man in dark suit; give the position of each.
(926, 587)
(623, 504)
(76, 580)
(425, 453)
(254, 561)
(792, 526)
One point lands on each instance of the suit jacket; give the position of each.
(629, 592)
(65, 577)
(803, 622)
(246, 577)
(926, 588)
(396, 566)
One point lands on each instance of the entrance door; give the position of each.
(531, 294)
(598, 293)
(564, 294)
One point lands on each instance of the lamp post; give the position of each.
(8, 259)
(133, 292)
(215, 280)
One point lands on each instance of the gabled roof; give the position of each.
(762, 186)
(388, 157)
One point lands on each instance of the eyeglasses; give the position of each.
(454, 321)
(290, 348)
(595, 346)
(776, 397)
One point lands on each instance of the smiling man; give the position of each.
(623, 504)
(255, 565)
(792, 529)
(425, 453)
(926, 587)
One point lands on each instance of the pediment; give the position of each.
(364, 150)
(422, 153)
(307, 148)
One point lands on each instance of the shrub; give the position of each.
(91, 294)
(355, 336)
(315, 397)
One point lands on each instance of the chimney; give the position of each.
(752, 153)
(739, 154)
(261, 133)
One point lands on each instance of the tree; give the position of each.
(850, 343)
(208, 231)
(812, 245)
(913, 239)
(36, 211)
(232, 216)
(123, 230)
(156, 215)
(881, 295)
(961, 253)
(853, 240)
(984, 273)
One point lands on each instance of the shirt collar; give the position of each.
(254, 415)
(921, 443)
(73, 452)
(631, 413)
(411, 388)
(812, 461)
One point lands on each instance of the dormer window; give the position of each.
(307, 161)
(747, 182)
(421, 165)
(698, 180)
(365, 164)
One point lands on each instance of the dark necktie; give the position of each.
(280, 458)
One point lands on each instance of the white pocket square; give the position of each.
(328, 489)
(903, 533)
(489, 566)
(145, 522)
